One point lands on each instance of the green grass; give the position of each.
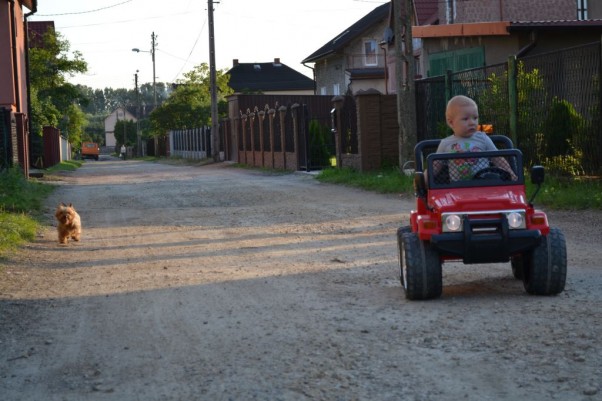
(384, 181)
(573, 194)
(69, 165)
(20, 205)
(555, 193)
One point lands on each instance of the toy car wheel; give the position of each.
(545, 272)
(420, 268)
(517, 263)
(400, 232)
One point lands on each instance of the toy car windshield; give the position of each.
(472, 169)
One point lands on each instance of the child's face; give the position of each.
(464, 120)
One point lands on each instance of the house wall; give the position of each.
(8, 88)
(497, 48)
(468, 11)
(595, 9)
(355, 51)
(331, 71)
(111, 120)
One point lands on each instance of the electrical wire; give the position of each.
(86, 12)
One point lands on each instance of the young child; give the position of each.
(462, 116)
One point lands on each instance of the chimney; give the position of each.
(234, 62)
(277, 61)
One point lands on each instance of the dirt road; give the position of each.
(217, 283)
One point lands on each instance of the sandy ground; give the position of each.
(219, 283)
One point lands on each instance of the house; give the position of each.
(362, 57)
(352, 60)
(14, 131)
(110, 121)
(471, 34)
(272, 78)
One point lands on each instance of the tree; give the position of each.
(125, 130)
(54, 101)
(188, 106)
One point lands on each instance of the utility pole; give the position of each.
(153, 45)
(405, 72)
(138, 139)
(213, 84)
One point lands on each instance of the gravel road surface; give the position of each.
(219, 283)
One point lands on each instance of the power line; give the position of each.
(86, 12)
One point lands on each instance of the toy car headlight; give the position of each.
(516, 220)
(452, 223)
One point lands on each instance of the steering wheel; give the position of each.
(492, 173)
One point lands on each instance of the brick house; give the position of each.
(470, 34)
(14, 132)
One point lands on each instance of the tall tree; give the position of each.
(188, 106)
(55, 101)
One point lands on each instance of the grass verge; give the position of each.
(384, 181)
(20, 206)
(555, 193)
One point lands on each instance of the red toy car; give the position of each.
(468, 209)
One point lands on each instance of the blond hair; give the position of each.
(456, 102)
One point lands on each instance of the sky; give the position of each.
(106, 31)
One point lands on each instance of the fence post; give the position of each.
(282, 113)
(449, 90)
(336, 126)
(513, 99)
(271, 115)
(261, 117)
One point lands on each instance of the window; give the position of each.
(450, 11)
(582, 10)
(370, 52)
(323, 90)
(336, 90)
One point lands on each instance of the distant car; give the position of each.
(481, 215)
(90, 150)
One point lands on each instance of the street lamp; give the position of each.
(152, 52)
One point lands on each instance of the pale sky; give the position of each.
(105, 31)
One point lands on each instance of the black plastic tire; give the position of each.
(545, 272)
(400, 232)
(420, 265)
(517, 263)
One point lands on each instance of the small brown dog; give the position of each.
(70, 225)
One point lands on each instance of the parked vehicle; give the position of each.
(485, 218)
(90, 150)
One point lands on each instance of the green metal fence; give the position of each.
(549, 104)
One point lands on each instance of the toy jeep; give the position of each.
(470, 209)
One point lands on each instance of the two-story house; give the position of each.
(362, 56)
(353, 60)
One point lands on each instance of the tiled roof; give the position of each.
(263, 77)
(349, 34)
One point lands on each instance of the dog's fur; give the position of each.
(70, 225)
